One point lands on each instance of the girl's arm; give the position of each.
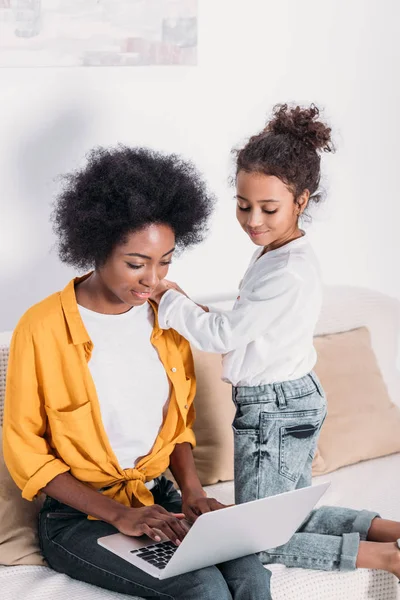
(271, 301)
(166, 285)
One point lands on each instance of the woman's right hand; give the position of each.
(150, 520)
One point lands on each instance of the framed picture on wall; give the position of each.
(73, 33)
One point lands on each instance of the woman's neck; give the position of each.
(91, 293)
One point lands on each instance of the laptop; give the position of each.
(222, 535)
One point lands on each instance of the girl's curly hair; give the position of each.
(289, 147)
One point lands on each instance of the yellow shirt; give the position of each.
(52, 420)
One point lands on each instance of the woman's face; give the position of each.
(266, 209)
(134, 269)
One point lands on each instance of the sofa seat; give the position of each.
(372, 485)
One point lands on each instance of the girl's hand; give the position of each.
(163, 287)
(150, 520)
(194, 505)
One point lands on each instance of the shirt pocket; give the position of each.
(76, 436)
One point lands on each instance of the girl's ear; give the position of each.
(302, 202)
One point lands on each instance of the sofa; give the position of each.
(351, 319)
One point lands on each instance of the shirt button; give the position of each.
(173, 369)
(186, 406)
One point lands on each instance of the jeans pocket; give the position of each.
(247, 419)
(297, 444)
(62, 515)
(246, 440)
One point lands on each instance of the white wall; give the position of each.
(341, 54)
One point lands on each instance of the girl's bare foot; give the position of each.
(395, 564)
(379, 555)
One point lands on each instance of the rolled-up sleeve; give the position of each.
(28, 456)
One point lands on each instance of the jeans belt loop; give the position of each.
(280, 395)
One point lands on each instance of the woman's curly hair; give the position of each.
(121, 190)
(289, 147)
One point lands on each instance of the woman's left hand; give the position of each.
(194, 505)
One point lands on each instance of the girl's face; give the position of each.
(135, 268)
(266, 209)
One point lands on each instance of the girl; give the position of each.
(99, 399)
(267, 339)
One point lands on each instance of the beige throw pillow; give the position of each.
(362, 422)
(18, 523)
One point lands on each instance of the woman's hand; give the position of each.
(194, 505)
(163, 287)
(150, 520)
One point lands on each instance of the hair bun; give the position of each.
(302, 124)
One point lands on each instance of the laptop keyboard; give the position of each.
(158, 554)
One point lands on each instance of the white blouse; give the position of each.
(268, 335)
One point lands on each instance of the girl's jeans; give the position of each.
(276, 429)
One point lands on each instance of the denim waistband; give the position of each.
(290, 389)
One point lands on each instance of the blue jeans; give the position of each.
(69, 543)
(276, 430)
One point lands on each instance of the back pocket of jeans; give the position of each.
(296, 443)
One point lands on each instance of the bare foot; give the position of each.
(375, 555)
(394, 561)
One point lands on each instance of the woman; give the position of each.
(99, 400)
